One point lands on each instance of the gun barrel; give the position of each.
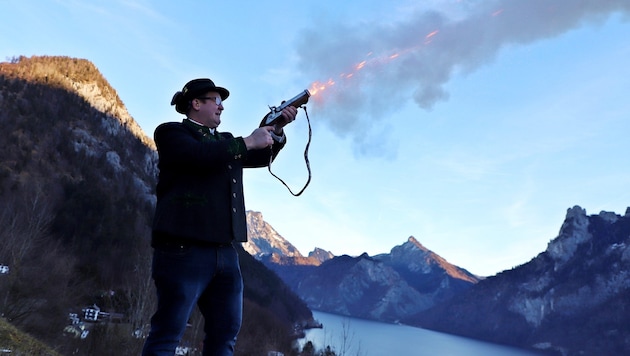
(297, 100)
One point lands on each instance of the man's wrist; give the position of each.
(278, 137)
(248, 141)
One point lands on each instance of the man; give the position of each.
(200, 212)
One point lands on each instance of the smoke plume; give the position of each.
(377, 67)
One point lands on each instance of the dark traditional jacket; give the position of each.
(200, 188)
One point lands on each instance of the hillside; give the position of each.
(77, 178)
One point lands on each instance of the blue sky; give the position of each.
(471, 125)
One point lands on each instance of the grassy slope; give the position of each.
(21, 344)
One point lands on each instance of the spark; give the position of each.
(431, 34)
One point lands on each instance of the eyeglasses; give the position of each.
(217, 99)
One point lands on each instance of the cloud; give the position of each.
(363, 71)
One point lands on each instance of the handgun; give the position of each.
(276, 111)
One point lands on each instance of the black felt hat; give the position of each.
(193, 89)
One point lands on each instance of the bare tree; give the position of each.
(36, 292)
(140, 295)
(343, 344)
(24, 219)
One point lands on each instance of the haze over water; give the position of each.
(371, 338)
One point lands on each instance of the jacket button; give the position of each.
(233, 209)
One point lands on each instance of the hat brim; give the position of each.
(224, 93)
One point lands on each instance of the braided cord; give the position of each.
(308, 164)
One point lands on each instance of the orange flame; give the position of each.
(319, 86)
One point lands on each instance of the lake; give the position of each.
(371, 338)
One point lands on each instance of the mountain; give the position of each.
(76, 198)
(267, 245)
(320, 254)
(427, 272)
(360, 287)
(386, 287)
(571, 299)
(264, 240)
(77, 178)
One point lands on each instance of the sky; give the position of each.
(471, 125)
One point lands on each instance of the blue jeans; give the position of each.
(208, 276)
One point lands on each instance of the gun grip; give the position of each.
(270, 118)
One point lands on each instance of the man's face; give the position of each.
(206, 110)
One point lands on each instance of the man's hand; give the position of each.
(288, 115)
(260, 138)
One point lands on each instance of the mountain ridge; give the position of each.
(385, 287)
(569, 299)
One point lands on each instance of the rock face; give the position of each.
(320, 255)
(570, 299)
